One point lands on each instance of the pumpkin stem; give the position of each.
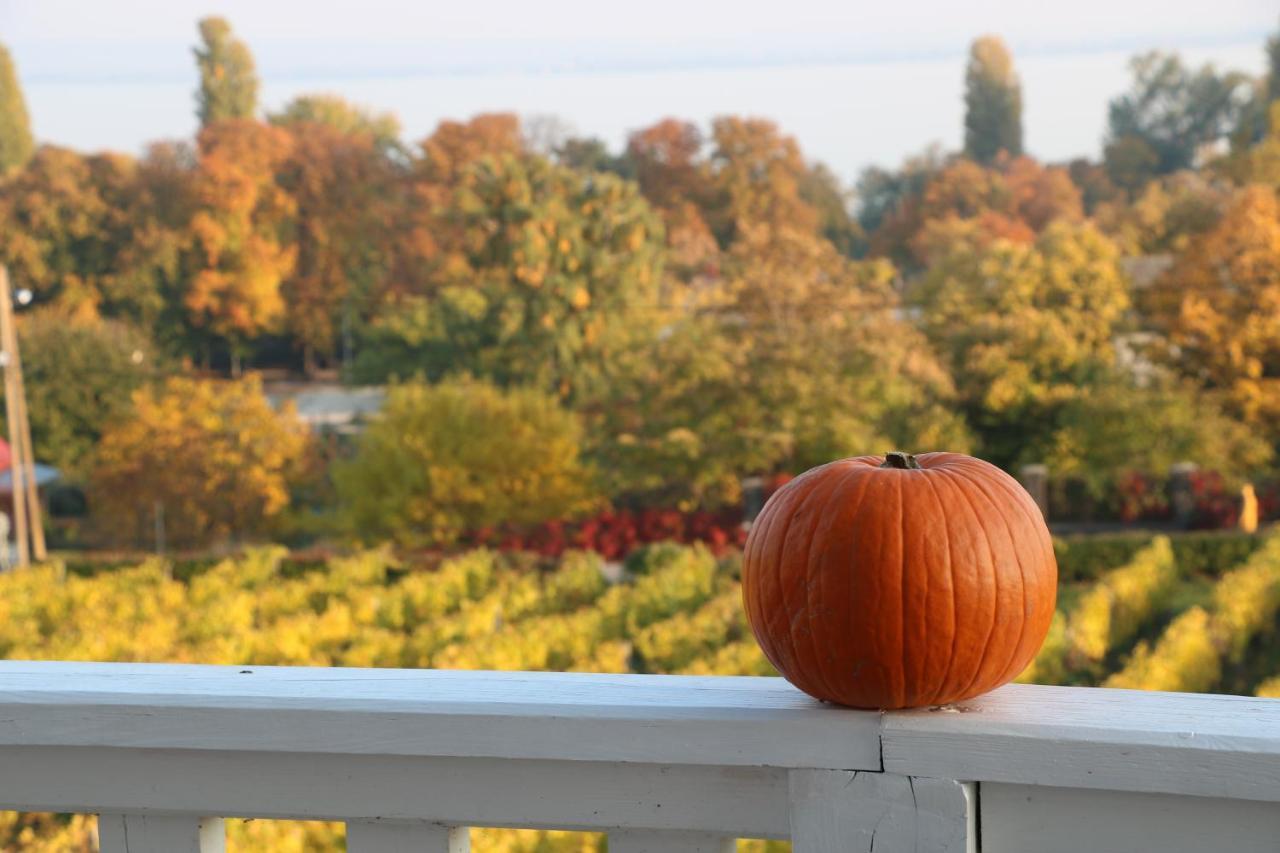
(900, 460)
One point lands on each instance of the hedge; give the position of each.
(1086, 557)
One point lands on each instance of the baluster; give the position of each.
(150, 833)
(666, 841)
(844, 811)
(391, 836)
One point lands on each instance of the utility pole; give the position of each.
(26, 499)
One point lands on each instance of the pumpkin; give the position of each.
(900, 581)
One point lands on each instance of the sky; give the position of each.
(858, 83)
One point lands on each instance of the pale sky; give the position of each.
(856, 82)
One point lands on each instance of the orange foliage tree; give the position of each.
(239, 255)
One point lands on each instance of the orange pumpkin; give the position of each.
(900, 581)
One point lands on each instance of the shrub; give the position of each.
(213, 456)
(441, 460)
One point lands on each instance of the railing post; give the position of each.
(846, 811)
(389, 836)
(148, 833)
(664, 841)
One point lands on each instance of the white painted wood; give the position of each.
(389, 836)
(561, 716)
(737, 801)
(1177, 743)
(146, 833)
(837, 811)
(656, 841)
(1033, 819)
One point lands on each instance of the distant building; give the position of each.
(328, 407)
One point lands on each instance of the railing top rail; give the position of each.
(1222, 746)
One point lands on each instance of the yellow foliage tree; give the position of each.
(213, 457)
(1219, 308)
(239, 256)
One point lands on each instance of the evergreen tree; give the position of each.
(15, 126)
(993, 102)
(228, 81)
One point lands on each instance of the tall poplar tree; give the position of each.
(993, 102)
(228, 79)
(16, 144)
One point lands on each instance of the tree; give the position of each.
(440, 461)
(228, 80)
(591, 154)
(347, 193)
(1119, 428)
(239, 256)
(1219, 309)
(1168, 115)
(80, 378)
(551, 275)
(95, 234)
(213, 457)
(1023, 328)
(993, 102)
(339, 114)
(16, 144)
(758, 174)
(795, 355)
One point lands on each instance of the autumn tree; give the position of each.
(1219, 308)
(1169, 113)
(228, 79)
(239, 257)
(341, 115)
(80, 377)
(16, 144)
(758, 172)
(993, 102)
(440, 461)
(1023, 327)
(554, 273)
(667, 160)
(347, 192)
(213, 458)
(430, 237)
(95, 234)
(794, 356)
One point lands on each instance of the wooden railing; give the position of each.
(410, 759)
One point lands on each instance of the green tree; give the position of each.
(1118, 427)
(80, 377)
(1023, 328)
(442, 460)
(16, 144)
(993, 102)
(793, 356)
(214, 455)
(1168, 114)
(550, 275)
(228, 79)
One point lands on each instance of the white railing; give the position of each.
(409, 759)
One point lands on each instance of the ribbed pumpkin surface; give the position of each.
(888, 587)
